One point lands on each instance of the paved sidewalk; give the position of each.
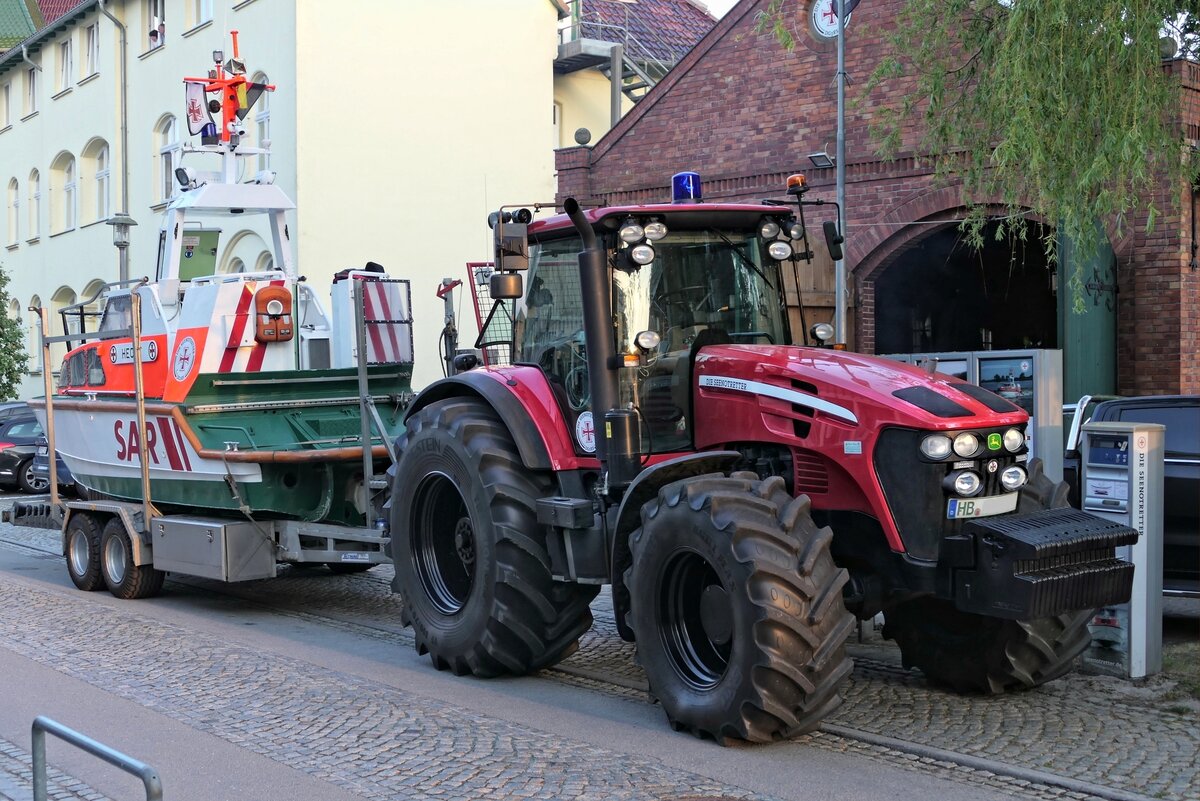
(1099, 730)
(16, 779)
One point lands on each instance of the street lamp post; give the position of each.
(839, 267)
(121, 223)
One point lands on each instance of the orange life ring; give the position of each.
(273, 314)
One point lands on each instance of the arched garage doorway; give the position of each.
(940, 294)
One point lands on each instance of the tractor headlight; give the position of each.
(779, 250)
(1013, 478)
(936, 446)
(631, 232)
(795, 230)
(647, 340)
(655, 231)
(966, 445)
(1014, 440)
(965, 483)
(642, 254)
(769, 229)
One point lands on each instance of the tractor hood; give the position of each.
(850, 388)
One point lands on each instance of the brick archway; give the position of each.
(883, 241)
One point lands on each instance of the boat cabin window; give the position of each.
(83, 369)
(118, 313)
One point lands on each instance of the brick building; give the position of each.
(745, 113)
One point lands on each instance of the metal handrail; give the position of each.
(42, 725)
(635, 49)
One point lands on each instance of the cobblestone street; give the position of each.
(380, 739)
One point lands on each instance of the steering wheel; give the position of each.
(681, 297)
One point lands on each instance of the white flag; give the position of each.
(197, 108)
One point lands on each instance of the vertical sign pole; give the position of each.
(839, 267)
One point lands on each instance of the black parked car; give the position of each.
(41, 466)
(19, 431)
(1181, 478)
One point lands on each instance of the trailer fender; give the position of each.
(512, 411)
(143, 553)
(629, 517)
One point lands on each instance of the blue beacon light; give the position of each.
(685, 188)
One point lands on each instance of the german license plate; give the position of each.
(958, 508)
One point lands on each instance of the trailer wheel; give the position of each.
(471, 562)
(125, 579)
(978, 654)
(83, 551)
(737, 609)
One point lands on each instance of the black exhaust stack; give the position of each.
(597, 327)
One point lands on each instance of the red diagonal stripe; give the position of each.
(387, 315)
(168, 438)
(239, 327)
(369, 313)
(187, 460)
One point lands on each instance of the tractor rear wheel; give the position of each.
(737, 609)
(472, 566)
(973, 653)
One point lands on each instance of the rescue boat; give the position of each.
(254, 392)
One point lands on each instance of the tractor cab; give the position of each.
(680, 277)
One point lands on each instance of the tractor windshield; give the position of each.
(700, 281)
(702, 288)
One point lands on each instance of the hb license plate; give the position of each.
(958, 508)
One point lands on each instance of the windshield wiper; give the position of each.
(741, 254)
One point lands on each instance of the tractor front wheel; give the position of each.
(972, 653)
(737, 609)
(472, 566)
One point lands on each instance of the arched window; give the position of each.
(35, 201)
(93, 310)
(14, 309)
(264, 263)
(65, 296)
(236, 265)
(32, 336)
(166, 137)
(262, 122)
(14, 206)
(62, 193)
(94, 182)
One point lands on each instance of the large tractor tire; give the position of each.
(472, 566)
(737, 609)
(972, 653)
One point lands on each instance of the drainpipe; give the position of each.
(26, 59)
(124, 267)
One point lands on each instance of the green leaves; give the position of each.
(1057, 108)
(12, 345)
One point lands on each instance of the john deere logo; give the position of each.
(994, 442)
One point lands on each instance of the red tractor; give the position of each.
(745, 497)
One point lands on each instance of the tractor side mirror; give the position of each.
(833, 239)
(510, 238)
(506, 286)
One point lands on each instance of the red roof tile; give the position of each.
(53, 9)
(665, 28)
